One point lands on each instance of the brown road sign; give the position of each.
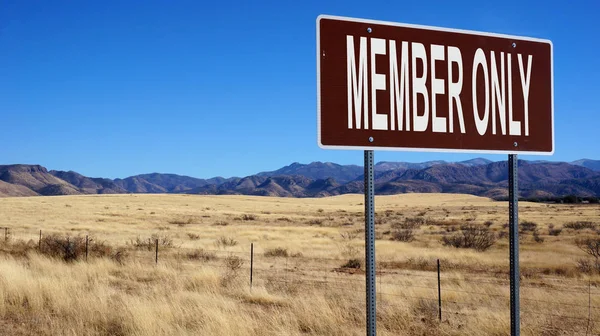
(394, 86)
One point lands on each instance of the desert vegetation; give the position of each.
(307, 267)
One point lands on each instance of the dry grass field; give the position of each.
(307, 266)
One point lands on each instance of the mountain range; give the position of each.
(318, 179)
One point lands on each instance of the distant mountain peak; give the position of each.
(475, 162)
(588, 163)
(318, 170)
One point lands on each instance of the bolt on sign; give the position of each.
(394, 86)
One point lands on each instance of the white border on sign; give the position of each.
(450, 30)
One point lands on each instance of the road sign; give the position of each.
(391, 86)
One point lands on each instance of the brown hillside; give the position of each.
(7, 189)
(34, 177)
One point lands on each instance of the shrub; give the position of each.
(201, 254)
(232, 266)
(350, 250)
(225, 242)
(277, 252)
(537, 238)
(349, 235)
(72, 248)
(426, 310)
(410, 223)
(555, 232)
(150, 242)
(163, 240)
(528, 226)
(472, 236)
(120, 256)
(488, 223)
(591, 246)
(315, 222)
(352, 263)
(248, 217)
(193, 236)
(451, 228)
(413, 222)
(221, 223)
(19, 248)
(403, 235)
(181, 221)
(588, 266)
(420, 263)
(233, 263)
(580, 225)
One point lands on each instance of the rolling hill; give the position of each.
(318, 179)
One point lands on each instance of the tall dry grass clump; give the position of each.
(104, 298)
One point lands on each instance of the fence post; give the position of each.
(40, 242)
(251, 263)
(86, 247)
(156, 259)
(439, 291)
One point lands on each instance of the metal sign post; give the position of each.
(513, 218)
(370, 244)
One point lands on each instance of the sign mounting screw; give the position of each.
(369, 30)
(514, 45)
(371, 139)
(515, 144)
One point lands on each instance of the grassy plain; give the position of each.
(201, 283)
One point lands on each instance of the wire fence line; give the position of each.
(452, 296)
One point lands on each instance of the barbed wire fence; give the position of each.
(443, 293)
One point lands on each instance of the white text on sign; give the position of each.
(405, 86)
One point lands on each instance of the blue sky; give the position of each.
(117, 88)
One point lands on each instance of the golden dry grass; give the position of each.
(306, 293)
